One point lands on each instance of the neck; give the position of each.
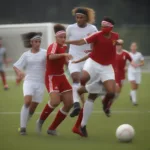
(33, 50)
(107, 35)
(119, 51)
(82, 26)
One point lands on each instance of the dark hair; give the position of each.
(108, 19)
(89, 12)
(59, 27)
(27, 37)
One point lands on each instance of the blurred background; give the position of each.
(132, 19)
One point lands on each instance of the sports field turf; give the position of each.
(101, 129)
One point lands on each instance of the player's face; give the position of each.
(36, 44)
(81, 19)
(118, 48)
(133, 47)
(61, 39)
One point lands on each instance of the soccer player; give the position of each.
(83, 27)
(134, 71)
(99, 67)
(34, 62)
(3, 60)
(57, 85)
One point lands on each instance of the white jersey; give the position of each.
(2, 52)
(74, 32)
(34, 65)
(137, 57)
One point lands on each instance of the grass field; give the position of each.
(101, 129)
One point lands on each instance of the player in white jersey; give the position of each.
(3, 60)
(134, 71)
(33, 61)
(81, 29)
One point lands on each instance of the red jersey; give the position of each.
(104, 49)
(55, 67)
(120, 63)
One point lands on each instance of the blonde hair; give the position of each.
(90, 13)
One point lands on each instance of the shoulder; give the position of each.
(92, 26)
(52, 48)
(43, 50)
(71, 26)
(115, 34)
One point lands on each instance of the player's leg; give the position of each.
(108, 79)
(67, 100)
(3, 76)
(75, 71)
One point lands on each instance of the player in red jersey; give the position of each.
(99, 68)
(122, 56)
(56, 83)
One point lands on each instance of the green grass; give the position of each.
(101, 129)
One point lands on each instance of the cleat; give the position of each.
(38, 126)
(6, 87)
(135, 104)
(76, 110)
(52, 132)
(77, 131)
(106, 109)
(22, 131)
(84, 131)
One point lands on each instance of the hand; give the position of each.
(20, 75)
(68, 56)
(134, 65)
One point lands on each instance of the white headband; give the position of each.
(80, 14)
(60, 32)
(106, 24)
(36, 37)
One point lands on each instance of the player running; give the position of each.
(3, 60)
(98, 68)
(134, 71)
(85, 17)
(57, 85)
(33, 61)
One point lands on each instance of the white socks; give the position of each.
(76, 97)
(133, 96)
(24, 116)
(87, 110)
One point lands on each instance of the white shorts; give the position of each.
(97, 73)
(78, 67)
(134, 76)
(1, 67)
(36, 90)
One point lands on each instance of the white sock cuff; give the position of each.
(76, 84)
(63, 112)
(89, 101)
(50, 105)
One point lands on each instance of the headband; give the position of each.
(106, 24)
(36, 37)
(60, 32)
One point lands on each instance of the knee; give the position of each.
(53, 104)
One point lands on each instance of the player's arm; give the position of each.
(58, 56)
(141, 63)
(82, 59)
(90, 39)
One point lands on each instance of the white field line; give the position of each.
(94, 112)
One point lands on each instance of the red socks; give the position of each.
(45, 113)
(58, 119)
(78, 122)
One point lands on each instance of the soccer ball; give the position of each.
(125, 133)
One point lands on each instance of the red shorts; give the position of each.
(57, 83)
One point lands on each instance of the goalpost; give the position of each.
(11, 39)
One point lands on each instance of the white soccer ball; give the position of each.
(125, 133)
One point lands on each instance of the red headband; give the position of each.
(106, 24)
(60, 32)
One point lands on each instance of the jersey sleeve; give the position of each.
(52, 49)
(128, 56)
(91, 39)
(141, 57)
(68, 32)
(21, 63)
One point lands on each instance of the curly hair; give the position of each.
(59, 27)
(88, 11)
(27, 38)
